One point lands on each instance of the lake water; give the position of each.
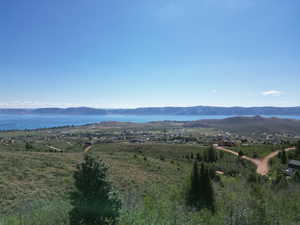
(20, 122)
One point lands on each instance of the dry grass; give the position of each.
(29, 176)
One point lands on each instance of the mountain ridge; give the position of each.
(192, 110)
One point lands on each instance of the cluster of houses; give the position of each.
(293, 167)
(7, 141)
(231, 140)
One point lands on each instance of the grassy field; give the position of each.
(26, 176)
(260, 150)
(150, 177)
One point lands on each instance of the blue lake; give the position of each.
(20, 122)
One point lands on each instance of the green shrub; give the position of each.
(93, 202)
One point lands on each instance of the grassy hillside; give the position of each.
(251, 125)
(27, 176)
(150, 167)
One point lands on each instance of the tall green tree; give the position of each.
(192, 155)
(199, 157)
(283, 157)
(211, 155)
(93, 200)
(200, 193)
(298, 148)
(193, 192)
(208, 191)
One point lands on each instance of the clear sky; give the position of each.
(132, 53)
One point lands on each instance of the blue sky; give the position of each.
(133, 53)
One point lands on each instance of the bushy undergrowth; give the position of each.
(241, 197)
(40, 213)
(238, 202)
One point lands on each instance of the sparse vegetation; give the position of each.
(152, 178)
(92, 200)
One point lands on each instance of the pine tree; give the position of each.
(202, 189)
(200, 193)
(221, 154)
(209, 192)
(93, 202)
(298, 148)
(241, 153)
(194, 189)
(192, 155)
(279, 155)
(199, 158)
(212, 155)
(283, 157)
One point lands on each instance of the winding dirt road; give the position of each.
(262, 164)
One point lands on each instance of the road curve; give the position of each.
(262, 164)
(264, 168)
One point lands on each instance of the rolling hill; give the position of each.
(249, 125)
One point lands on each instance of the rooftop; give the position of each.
(294, 162)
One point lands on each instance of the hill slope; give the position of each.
(249, 125)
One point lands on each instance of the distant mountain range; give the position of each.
(195, 110)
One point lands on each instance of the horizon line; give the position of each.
(141, 107)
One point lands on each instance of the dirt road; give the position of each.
(262, 164)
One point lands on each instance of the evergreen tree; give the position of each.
(192, 155)
(241, 153)
(298, 148)
(279, 155)
(221, 154)
(209, 197)
(211, 155)
(165, 135)
(199, 158)
(93, 202)
(283, 157)
(200, 193)
(202, 189)
(194, 188)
